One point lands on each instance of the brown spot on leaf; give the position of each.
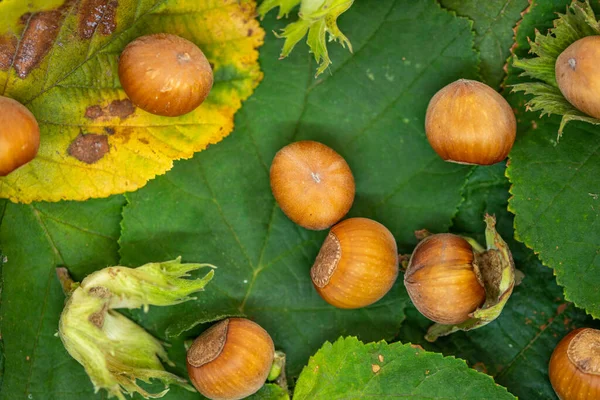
(561, 309)
(109, 131)
(380, 357)
(121, 108)
(416, 346)
(143, 140)
(23, 19)
(93, 112)
(97, 15)
(89, 148)
(250, 32)
(375, 368)
(40, 33)
(109, 22)
(117, 108)
(8, 47)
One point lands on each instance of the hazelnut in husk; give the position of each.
(458, 283)
(442, 279)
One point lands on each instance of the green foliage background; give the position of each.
(217, 207)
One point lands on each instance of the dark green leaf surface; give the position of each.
(560, 188)
(36, 239)
(493, 22)
(555, 186)
(349, 369)
(516, 348)
(270, 392)
(219, 208)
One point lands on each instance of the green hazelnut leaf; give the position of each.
(270, 391)
(555, 186)
(350, 369)
(36, 239)
(493, 23)
(577, 22)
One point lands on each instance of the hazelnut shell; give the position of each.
(442, 281)
(578, 75)
(574, 368)
(357, 264)
(468, 122)
(165, 74)
(19, 135)
(230, 360)
(312, 184)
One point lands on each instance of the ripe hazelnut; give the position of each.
(312, 184)
(578, 76)
(468, 122)
(19, 135)
(231, 359)
(574, 368)
(442, 279)
(165, 74)
(357, 264)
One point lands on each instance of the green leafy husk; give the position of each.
(115, 351)
(578, 22)
(317, 19)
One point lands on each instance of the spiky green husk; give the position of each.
(318, 18)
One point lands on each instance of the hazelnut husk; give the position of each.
(458, 283)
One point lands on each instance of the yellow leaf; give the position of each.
(60, 59)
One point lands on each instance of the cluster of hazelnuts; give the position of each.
(163, 74)
(467, 122)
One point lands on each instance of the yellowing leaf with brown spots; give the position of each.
(60, 58)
